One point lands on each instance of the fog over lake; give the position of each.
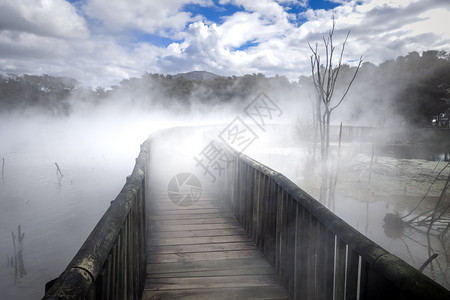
(95, 153)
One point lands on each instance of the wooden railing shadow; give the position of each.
(316, 254)
(111, 264)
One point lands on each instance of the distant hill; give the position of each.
(197, 75)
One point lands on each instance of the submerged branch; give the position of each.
(423, 198)
(428, 261)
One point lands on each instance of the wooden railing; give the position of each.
(111, 264)
(315, 253)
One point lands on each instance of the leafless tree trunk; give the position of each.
(324, 77)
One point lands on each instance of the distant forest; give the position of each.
(412, 88)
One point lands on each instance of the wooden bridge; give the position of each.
(247, 233)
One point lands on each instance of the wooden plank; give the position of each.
(330, 248)
(291, 215)
(162, 198)
(301, 282)
(198, 233)
(160, 284)
(351, 285)
(216, 220)
(197, 266)
(214, 273)
(199, 240)
(271, 212)
(282, 237)
(200, 248)
(190, 227)
(364, 280)
(339, 278)
(211, 197)
(186, 211)
(196, 256)
(189, 216)
(168, 205)
(262, 292)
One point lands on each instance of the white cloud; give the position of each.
(241, 28)
(268, 10)
(432, 21)
(51, 37)
(55, 18)
(302, 3)
(156, 16)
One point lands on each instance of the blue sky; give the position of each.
(100, 42)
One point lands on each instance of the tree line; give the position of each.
(61, 95)
(411, 88)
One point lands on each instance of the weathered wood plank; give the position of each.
(262, 292)
(189, 216)
(216, 255)
(187, 211)
(152, 249)
(164, 198)
(199, 233)
(190, 227)
(198, 266)
(168, 205)
(216, 220)
(199, 240)
(160, 284)
(212, 273)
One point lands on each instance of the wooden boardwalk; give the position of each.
(202, 252)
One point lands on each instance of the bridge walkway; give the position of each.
(199, 251)
(202, 252)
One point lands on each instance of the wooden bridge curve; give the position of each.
(252, 234)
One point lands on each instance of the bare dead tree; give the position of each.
(324, 76)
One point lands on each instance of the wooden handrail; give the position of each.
(111, 264)
(317, 254)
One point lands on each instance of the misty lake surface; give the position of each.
(95, 154)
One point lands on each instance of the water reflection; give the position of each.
(59, 175)
(441, 156)
(393, 225)
(432, 152)
(17, 260)
(3, 170)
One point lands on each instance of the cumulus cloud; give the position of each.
(302, 3)
(385, 29)
(86, 41)
(156, 16)
(55, 18)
